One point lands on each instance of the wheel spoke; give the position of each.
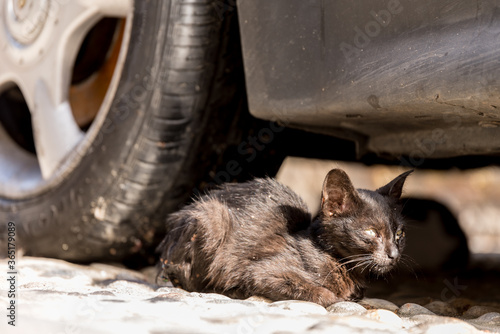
(74, 20)
(71, 20)
(54, 128)
(7, 71)
(111, 8)
(38, 47)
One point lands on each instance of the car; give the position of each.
(113, 114)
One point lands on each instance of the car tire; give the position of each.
(177, 101)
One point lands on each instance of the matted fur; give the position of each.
(258, 238)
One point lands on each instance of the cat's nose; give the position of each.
(393, 253)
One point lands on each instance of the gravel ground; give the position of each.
(54, 296)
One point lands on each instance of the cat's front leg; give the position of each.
(293, 286)
(323, 296)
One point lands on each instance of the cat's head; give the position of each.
(363, 228)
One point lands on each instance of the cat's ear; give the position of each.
(339, 197)
(395, 187)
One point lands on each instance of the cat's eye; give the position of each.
(371, 232)
(400, 234)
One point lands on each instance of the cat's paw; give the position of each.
(324, 297)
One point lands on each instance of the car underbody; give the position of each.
(405, 80)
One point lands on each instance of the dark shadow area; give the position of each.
(16, 118)
(434, 239)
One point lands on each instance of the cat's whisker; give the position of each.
(357, 260)
(390, 273)
(405, 258)
(357, 265)
(355, 255)
(360, 263)
(409, 263)
(364, 263)
(370, 265)
(408, 257)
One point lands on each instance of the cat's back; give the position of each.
(262, 205)
(262, 202)
(259, 192)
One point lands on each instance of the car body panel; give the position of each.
(413, 78)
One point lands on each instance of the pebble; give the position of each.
(375, 303)
(476, 311)
(411, 299)
(451, 327)
(431, 324)
(492, 319)
(411, 309)
(259, 299)
(441, 308)
(354, 324)
(164, 298)
(346, 308)
(170, 294)
(173, 291)
(300, 307)
(385, 316)
(103, 293)
(213, 296)
(129, 288)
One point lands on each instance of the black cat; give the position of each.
(257, 238)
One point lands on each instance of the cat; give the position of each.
(258, 238)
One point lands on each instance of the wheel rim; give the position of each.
(39, 44)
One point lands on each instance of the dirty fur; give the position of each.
(258, 238)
